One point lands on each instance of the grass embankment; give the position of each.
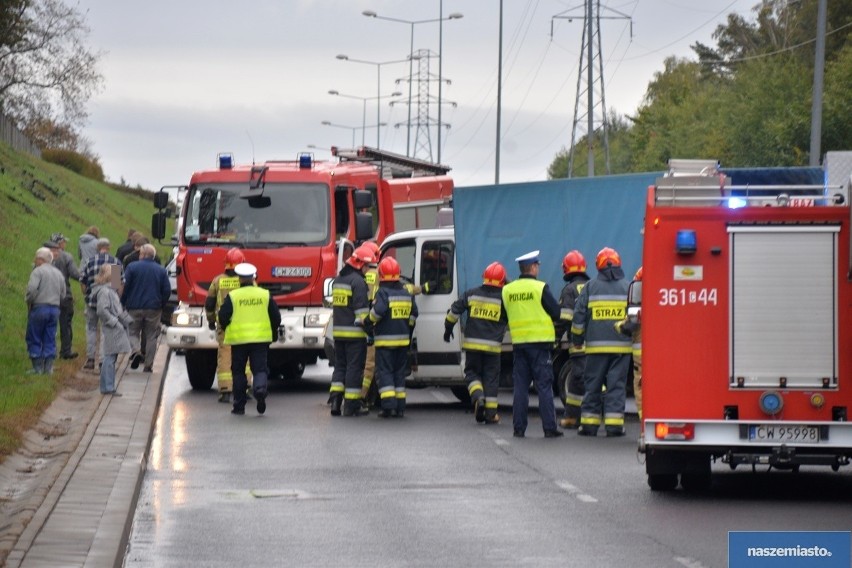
(39, 199)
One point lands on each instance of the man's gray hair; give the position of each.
(103, 243)
(44, 254)
(147, 251)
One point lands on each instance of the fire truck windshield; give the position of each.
(296, 214)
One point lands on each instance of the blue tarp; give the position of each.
(505, 221)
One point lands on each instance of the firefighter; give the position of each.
(349, 293)
(250, 319)
(391, 325)
(531, 310)
(371, 277)
(603, 302)
(216, 294)
(575, 277)
(483, 338)
(633, 330)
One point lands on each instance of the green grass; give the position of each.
(36, 200)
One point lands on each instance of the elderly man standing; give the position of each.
(146, 291)
(45, 291)
(66, 265)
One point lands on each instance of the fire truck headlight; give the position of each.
(686, 242)
(771, 402)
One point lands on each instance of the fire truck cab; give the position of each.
(746, 318)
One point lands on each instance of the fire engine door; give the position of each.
(783, 306)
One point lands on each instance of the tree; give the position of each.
(619, 152)
(47, 74)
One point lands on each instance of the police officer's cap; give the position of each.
(245, 269)
(529, 258)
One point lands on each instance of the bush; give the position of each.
(75, 162)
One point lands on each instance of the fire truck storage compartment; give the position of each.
(783, 305)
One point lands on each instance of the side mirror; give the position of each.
(158, 225)
(634, 293)
(362, 199)
(161, 200)
(363, 226)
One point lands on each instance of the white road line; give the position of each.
(576, 492)
(442, 396)
(689, 562)
(501, 442)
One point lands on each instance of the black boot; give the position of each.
(336, 403)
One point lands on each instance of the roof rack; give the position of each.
(391, 164)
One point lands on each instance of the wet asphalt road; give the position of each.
(297, 487)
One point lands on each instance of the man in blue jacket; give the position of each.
(146, 291)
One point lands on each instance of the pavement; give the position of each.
(86, 515)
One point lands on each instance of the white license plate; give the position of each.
(776, 433)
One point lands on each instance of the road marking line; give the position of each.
(689, 562)
(501, 442)
(576, 492)
(442, 396)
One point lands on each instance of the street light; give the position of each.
(412, 23)
(378, 65)
(352, 128)
(364, 100)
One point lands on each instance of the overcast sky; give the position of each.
(187, 79)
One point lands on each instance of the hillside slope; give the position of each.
(39, 199)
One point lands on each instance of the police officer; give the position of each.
(220, 287)
(250, 319)
(633, 330)
(602, 303)
(391, 322)
(483, 338)
(531, 310)
(350, 308)
(575, 277)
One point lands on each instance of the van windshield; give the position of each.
(296, 214)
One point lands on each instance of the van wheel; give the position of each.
(662, 481)
(292, 370)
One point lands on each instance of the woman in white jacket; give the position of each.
(114, 321)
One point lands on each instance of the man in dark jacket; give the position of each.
(603, 303)
(483, 340)
(146, 291)
(66, 265)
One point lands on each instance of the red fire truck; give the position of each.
(746, 322)
(295, 220)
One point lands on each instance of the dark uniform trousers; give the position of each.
(610, 369)
(256, 355)
(391, 364)
(483, 368)
(532, 360)
(349, 358)
(66, 334)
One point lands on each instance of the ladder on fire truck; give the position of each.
(392, 165)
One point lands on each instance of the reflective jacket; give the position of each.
(349, 294)
(574, 284)
(486, 318)
(218, 291)
(249, 316)
(602, 303)
(531, 310)
(393, 315)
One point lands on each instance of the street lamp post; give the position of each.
(352, 128)
(412, 23)
(378, 65)
(364, 112)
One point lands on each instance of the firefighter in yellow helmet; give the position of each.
(483, 339)
(575, 277)
(633, 329)
(250, 319)
(350, 307)
(216, 294)
(603, 302)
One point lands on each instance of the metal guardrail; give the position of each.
(10, 134)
